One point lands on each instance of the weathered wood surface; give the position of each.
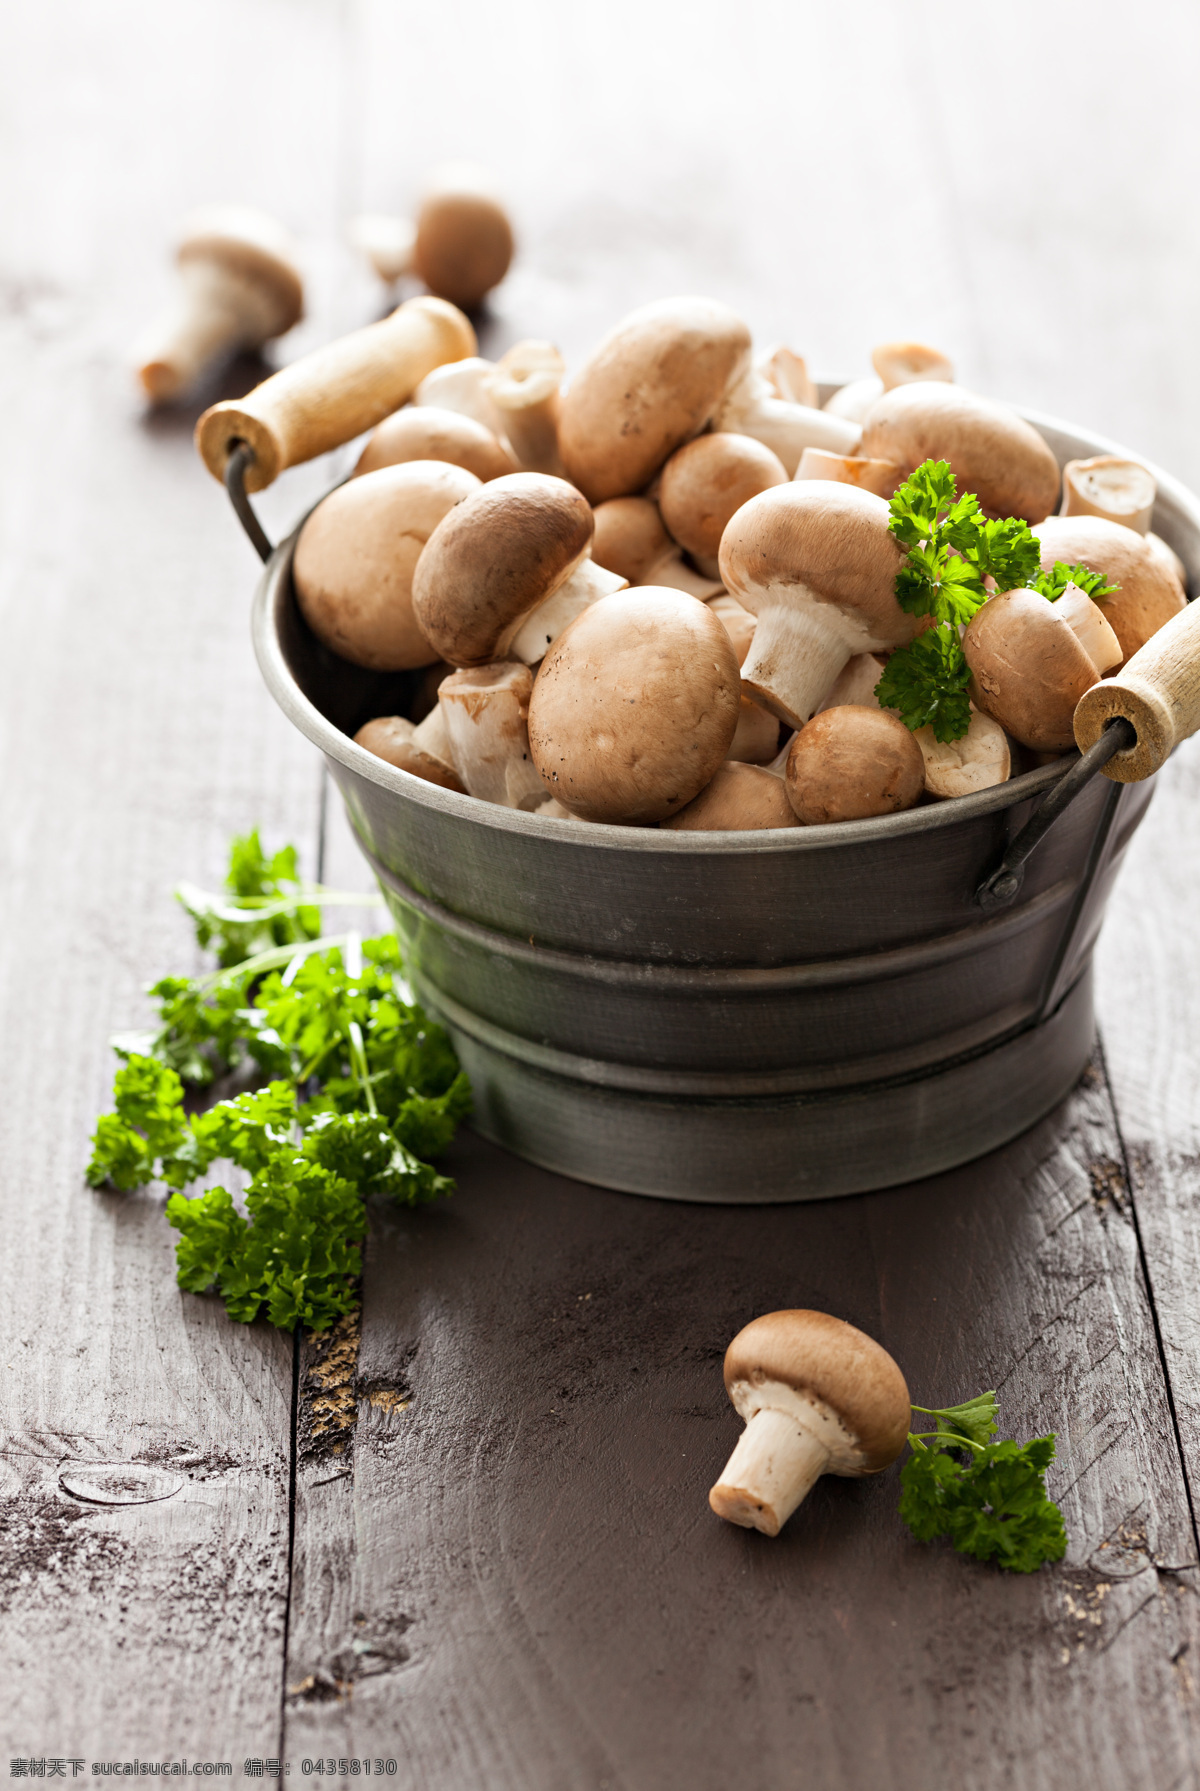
(507, 1573)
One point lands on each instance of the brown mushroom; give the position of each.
(484, 583)
(422, 750)
(524, 387)
(486, 713)
(635, 706)
(976, 761)
(879, 476)
(239, 288)
(426, 432)
(815, 563)
(652, 384)
(1029, 666)
(992, 451)
(850, 763)
(1148, 596)
(356, 556)
(632, 541)
(901, 363)
(1168, 559)
(1107, 485)
(707, 480)
(818, 1397)
(464, 240)
(756, 740)
(738, 797)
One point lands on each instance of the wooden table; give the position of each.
(475, 1540)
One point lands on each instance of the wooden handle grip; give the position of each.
(335, 393)
(1157, 691)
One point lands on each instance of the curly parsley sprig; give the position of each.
(989, 1498)
(363, 1091)
(951, 552)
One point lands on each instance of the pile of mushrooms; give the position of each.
(662, 592)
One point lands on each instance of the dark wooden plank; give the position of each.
(537, 1594)
(136, 738)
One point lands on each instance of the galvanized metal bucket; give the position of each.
(736, 1016)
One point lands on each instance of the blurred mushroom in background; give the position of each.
(460, 244)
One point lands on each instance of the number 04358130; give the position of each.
(346, 1768)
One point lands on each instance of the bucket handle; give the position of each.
(1126, 726)
(327, 398)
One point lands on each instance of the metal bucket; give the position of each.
(745, 1017)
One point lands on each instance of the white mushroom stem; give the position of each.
(1091, 628)
(750, 407)
(798, 650)
(853, 401)
(463, 386)
(773, 1469)
(525, 388)
(486, 713)
(539, 630)
(433, 735)
(217, 311)
(879, 476)
(1120, 490)
(787, 373)
(386, 242)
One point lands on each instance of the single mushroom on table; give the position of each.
(737, 797)
(1107, 485)
(853, 762)
(239, 288)
(1031, 660)
(879, 476)
(635, 707)
(979, 759)
(485, 712)
(426, 432)
(706, 481)
(508, 569)
(631, 540)
(357, 554)
(524, 387)
(463, 245)
(422, 748)
(653, 383)
(1149, 594)
(818, 1396)
(814, 561)
(992, 450)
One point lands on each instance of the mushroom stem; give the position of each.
(525, 389)
(774, 1467)
(542, 626)
(794, 658)
(217, 312)
(751, 408)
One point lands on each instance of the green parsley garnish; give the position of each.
(951, 548)
(989, 1498)
(362, 1091)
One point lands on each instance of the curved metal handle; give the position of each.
(236, 467)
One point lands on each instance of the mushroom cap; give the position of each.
(464, 240)
(1168, 559)
(854, 400)
(630, 537)
(390, 737)
(635, 706)
(739, 797)
(251, 244)
(992, 451)
(850, 763)
(707, 480)
(1149, 593)
(497, 556)
(977, 761)
(1028, 669)
(826, 1359)
(652, 384)
(899, 363)
(831, 538)
(425, 432)
(356, 557)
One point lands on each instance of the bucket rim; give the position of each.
(272, 593)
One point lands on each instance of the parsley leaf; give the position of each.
(328, 1020)
(1053, 584)
(989, 1498)
(927, 683)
